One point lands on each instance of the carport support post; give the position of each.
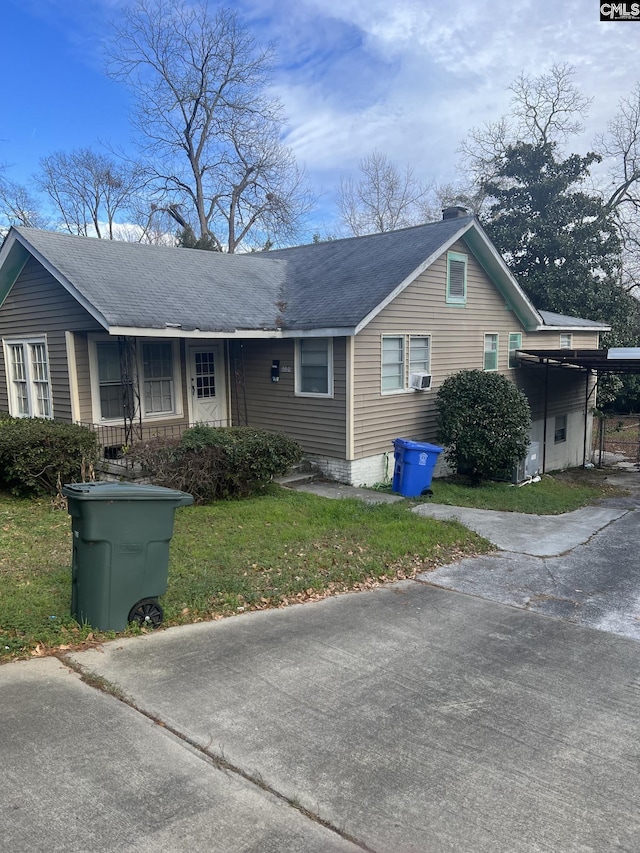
(586, 410)
(546, 409)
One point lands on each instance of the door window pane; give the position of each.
(205, 375)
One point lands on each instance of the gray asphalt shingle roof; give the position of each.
(331, 285)
(334, 284)
(341, 281)
(144, 286)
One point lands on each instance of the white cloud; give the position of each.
(437, 71)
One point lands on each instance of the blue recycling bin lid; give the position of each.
(407, 444)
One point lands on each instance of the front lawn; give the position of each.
(552, 495)
(267, 551)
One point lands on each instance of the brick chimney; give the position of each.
(454, 212)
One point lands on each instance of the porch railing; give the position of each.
(114, 441)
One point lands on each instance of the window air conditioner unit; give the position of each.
(420, 381)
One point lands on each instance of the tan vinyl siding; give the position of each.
(551, 340)
(318, 423)
(566, 386)
(39, 305)
(457, 343)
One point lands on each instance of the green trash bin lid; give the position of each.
(124, 492)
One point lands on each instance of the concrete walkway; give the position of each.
(536, 535)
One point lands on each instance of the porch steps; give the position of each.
(302, 473)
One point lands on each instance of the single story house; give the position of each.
(342, 345)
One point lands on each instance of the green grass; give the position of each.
(226, 558)
(554, 494)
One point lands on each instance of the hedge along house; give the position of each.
(342, 345)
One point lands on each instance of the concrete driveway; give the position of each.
(583, 566)
(410, 719)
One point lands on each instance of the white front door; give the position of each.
(207, 389)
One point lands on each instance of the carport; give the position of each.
(594, 363)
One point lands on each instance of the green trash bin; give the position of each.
(121, 535)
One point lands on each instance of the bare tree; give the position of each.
(89, 190)
(545, 109)
(620, 151)
(208, 131)
(18, 206)
(383, 198)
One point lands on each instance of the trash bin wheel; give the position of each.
(146, 612)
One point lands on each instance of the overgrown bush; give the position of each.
(483, 422)
(215, 463)
(36, 454)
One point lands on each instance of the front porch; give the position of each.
(114, 441)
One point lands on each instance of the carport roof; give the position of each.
(587, 359)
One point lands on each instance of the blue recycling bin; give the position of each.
(413, 468)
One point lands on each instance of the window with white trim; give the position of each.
(491, 352)
(314, 367)
(566, 341)
(155, 365)
(157, 371)
(515, 343)
(28, 379)
(396, 349)
(393, 372)
(419, 354)
(456, 278)
(115, 397)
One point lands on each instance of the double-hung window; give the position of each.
(515, 343)
(419, 354)
(396, 349)
(566, 340)
(393, 372)
(28, 377)
(157, 369)
(116, 395)
(491, 352)
(560, 429)
(150, 368)
(456, 278)
(314, 367)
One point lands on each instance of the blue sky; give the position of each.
(407, 77)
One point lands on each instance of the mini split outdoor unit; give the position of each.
(420, 381)
(528, 467)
